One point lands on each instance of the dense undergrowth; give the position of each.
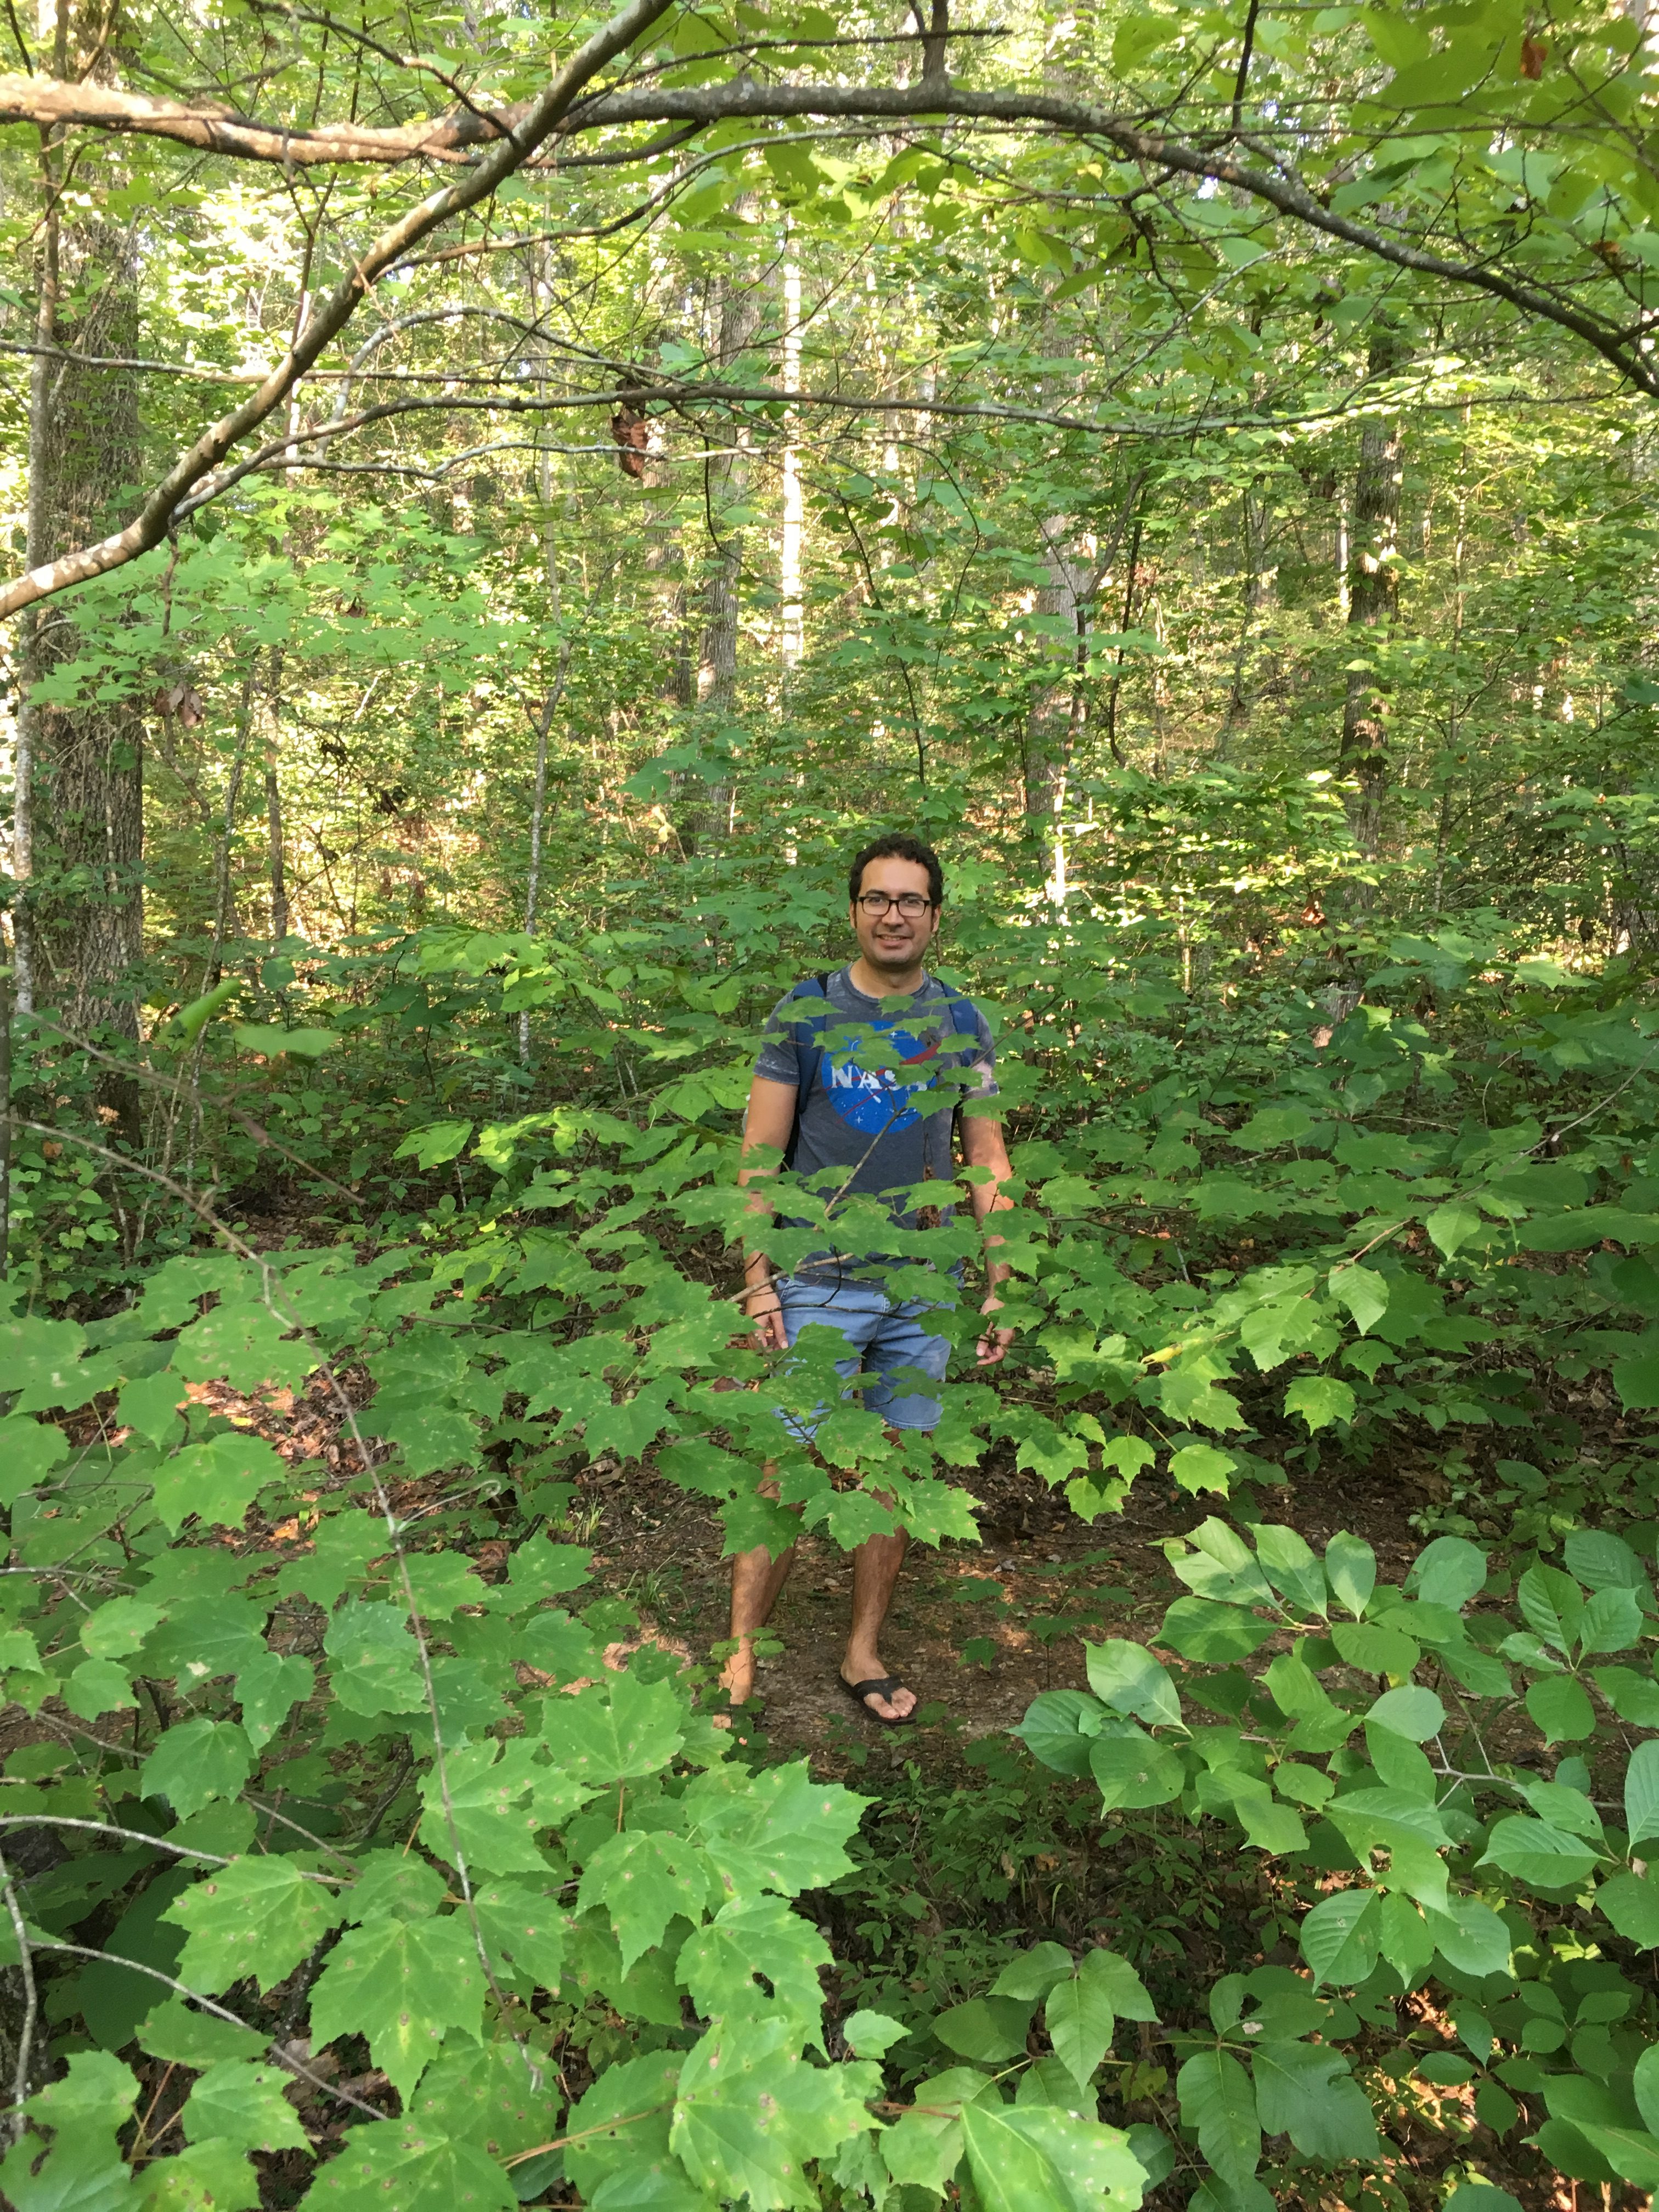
(359, 1842)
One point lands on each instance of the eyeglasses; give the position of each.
(909, 903)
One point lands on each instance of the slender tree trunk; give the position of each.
(728, 478)
(794, 512)
(1373, 597)
(81, 784)
(279, 922)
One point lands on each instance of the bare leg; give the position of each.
(876, 1563)
(757, 1578)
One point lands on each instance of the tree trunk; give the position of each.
(84, 802)
(274, 804)
(1373, 597)
(726, 480)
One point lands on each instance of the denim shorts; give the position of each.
(882, 1338)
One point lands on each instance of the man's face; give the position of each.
(888, 937)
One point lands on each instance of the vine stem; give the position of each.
(20, 2088)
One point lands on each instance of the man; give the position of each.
(887, 1134)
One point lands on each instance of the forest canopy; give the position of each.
(500, 506)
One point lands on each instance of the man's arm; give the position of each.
(983, 1146)
(770, 1119)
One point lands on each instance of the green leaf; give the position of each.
(1339, 1937)
(1452, 1225)
(1633, 1697)
(1036, 2158)
(1374, 1648)
(373, 1661)
(1135, 1771)
(644, 1878)
(1470, 1936)
(1411, 1711)
(1642, 1793)
(438, 1142)
(986, 2029)
(755, 1935)
(1290, 1565)
(1197, 1468)
(1303, 2090)
(1031, 1974)
(1320, 1399)
(1364, 1293)
(197, 2040)
(257, 1916)
(38, 1359)
(1632, 2154)
(616, 1729)
(1218, 2101)
(871, 2034)
(750, 2114)
(480, 1790)
(1079, 2019)
(195, 1762)
(401, 1983)
(400, 2162)
(1631, 1902)
(29, 1452)
(1214, 1634)
(1537, 1853)
(1449, 1572)
(1351, 1571)
(272, 1041)
(243, 2105)
(267, 1688)
(214, 2175)
(524, 1929)
(784, 1832)
(1560, 1709)
(620, 2132)
(1126, 1676)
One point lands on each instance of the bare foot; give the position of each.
(737, 1679)
(898, 1707)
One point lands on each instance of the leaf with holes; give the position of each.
(257, 1916)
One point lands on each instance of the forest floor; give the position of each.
(977, 1630)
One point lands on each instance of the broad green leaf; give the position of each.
(1290, 1565)
(213, 2175)
(1351, 1571)
(1448, 1572)
(1632, 2154)
(243, 2104)
(1559, 1708)
(986, 2029)
(400, 2162)
(1364, 1293)
(374, 1660)
(1452, 1225)
(1036, 2158)
(476, 1803)
(1135, 1771)
(1544, 1856)
(29, 1452)
(1644, 2086)
(1633, 1697)
(257, 1916)
(611, 1731)
(644, 1878)
(1213, 1634)
(1470, 1936)
(718, 1963)
(1197, 1468)
(1551, 1605)
(750, 2115)
(784, 1832)
(272, 1041)
(871, 2034)
(1126, 1676)
(40, 1359)
(1375, 1649)
(1079, 2019)
(1631, 1902)
(1642, 1793)
(434, 1145)
(1411, 1711)
(490, 2093)
(522, 1929)
(1612, 1621)
(195, 1762)
(1303, 2090)
(150, 1405)
(620, 2136)
(401, 1983)
(198, 2039)
(267, 1688)
(1031, 1974)
(1339, 1937)
(1320, 1399)
(1218, 2101)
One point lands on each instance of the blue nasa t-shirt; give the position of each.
(888, 1127)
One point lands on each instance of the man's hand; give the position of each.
(994, 1342)
(760, 1302)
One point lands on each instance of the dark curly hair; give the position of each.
(900, 845)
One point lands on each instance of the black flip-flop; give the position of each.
(880, 1686)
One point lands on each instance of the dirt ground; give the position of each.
(977, 1630)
